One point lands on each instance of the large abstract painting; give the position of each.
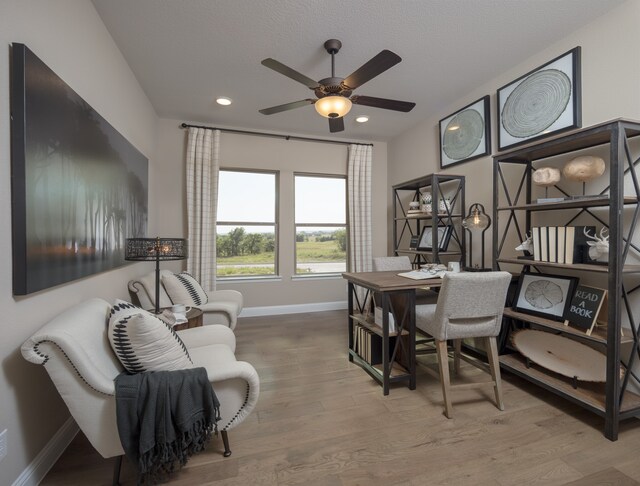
(79, 188)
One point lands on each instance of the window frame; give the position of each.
(275, 224)
(315, 225)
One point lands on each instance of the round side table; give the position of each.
(194, 317)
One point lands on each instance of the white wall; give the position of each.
(287, 156)
(71, 39)
(610, 89)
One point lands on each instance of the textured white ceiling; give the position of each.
(185, 53)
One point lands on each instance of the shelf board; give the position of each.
(420, 182)
(397, 370)
(368, 323)
(427, 216)
(571, 266)
(599, 334)
(588, 395)
(427, 252)
(568, 204)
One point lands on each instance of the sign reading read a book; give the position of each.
(585, 308)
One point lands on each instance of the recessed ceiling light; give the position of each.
(223, 100)
(362, 119)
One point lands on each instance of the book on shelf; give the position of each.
(561, 244)
(576, 248)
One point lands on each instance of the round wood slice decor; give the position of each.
(562, 355)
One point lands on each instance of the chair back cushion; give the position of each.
(184, 289)
(470, 304)
(143, 342)
(398, 263)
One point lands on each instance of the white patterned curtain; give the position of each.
(359, 203)
(203, 166)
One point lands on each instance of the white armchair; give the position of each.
(223, 306)
(74, 349)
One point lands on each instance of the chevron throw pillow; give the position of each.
(182, 288)
(143, 342)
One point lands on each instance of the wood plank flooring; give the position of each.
(322, 421)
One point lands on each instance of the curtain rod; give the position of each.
(273, 135)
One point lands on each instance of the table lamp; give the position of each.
(476, 220)
(156, 249)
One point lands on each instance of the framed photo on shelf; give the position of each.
(544, 295)
(543, 102)
(444, 235)
(413, 243)
(466, 134)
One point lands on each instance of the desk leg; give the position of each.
(386, 368)
(350, 291)
(411, 301)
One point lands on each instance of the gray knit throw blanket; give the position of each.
(163, 418)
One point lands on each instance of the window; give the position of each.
(321, 224)
(246, 238)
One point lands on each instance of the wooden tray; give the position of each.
(561, 355)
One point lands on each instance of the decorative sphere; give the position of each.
(546, 176)
(584, 168)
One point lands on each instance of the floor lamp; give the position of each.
(476, 220)
(156, 249)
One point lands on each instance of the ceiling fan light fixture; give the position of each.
(223, 100)
(333, 106)
(362, 119)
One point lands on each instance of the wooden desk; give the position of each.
(398, 297)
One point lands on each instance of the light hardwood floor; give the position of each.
(321, 420)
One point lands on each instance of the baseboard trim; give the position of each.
(44, 461)
(292, 309)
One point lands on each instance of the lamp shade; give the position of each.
(476, 219)
(152, 249)
(333, 106)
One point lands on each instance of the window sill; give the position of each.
(255, 278)
(318, 276)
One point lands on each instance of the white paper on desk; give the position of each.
(421, 275)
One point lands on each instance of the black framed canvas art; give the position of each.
(79, 188)
(543, 102)
(466, 134)
(544, 295)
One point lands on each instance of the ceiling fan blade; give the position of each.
(336, 124)
(290, 73)
(384, 103)
(369, 70)
(287, 106)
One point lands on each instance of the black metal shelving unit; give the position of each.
(617, 399)
(406, 225)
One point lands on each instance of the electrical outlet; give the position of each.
(3, 444)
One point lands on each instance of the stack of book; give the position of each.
(367, 344)
(561, 244)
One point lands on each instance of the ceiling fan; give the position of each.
(334, 94)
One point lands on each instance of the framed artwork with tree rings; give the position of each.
(544, 295)
(466, 134)
(544, 101)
